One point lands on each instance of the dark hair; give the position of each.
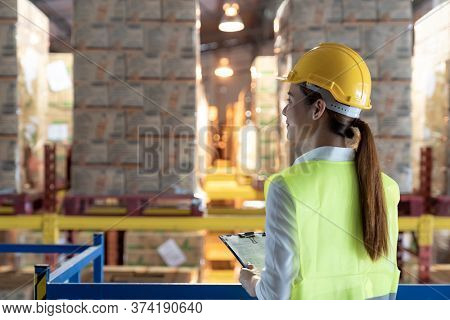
(373, 205)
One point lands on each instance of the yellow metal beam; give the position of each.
(232, 211)
(6, 210)
(408, 223)
(441, 223)
(216, 223)
(33, 222)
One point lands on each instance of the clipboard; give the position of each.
(247, 247)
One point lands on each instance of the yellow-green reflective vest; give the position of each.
(333, 261)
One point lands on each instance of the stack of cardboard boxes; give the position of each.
(431, 95)
(380, 31)
(144, 248)
(135, 96)
(24, 44)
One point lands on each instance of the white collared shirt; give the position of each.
(282, 263)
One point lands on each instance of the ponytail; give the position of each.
(373, 206)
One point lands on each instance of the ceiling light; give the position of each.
(231, 21)
(224, 70)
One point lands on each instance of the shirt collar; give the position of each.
(327, 153)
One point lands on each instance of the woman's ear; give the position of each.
(319, 109)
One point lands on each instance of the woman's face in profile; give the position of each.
(298, 114)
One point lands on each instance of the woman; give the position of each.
(331, 218)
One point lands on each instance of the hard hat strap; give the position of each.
(334, 105)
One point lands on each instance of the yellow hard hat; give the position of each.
(339, 70)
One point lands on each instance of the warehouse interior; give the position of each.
(157, 122)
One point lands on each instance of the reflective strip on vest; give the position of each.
(333, 261)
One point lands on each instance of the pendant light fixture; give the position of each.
(224, 70)
(231, 21)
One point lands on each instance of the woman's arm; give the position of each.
(282, 262)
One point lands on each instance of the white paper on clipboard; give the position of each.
(247, 247)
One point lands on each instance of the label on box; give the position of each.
(171, 253)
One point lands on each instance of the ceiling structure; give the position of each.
(257, 15)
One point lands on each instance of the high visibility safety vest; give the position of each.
(333, 261)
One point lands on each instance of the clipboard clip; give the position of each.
(249, 235)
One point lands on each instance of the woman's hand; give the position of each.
(249, 278)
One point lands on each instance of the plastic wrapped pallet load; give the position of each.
(124, 115)
(24, 44)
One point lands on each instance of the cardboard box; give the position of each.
(123, 152)
(90, 152)
(125, 94)
(387, 40)
(91, 35)
(391, 98)
(97, 180)
(91, 94)
(8, 65)
(8, 39)
(395, 161)
(8, 150)
(181, 10)
(316, 12)
(139, 122)
(86, 11)
(8, 106)
(394, 68)
(178, 54)
(188, 240)
(98, 125)
(99, 66)
(359, 10)
(138, 182)
(394, 10)
(126, 36)
(392, 125)
(138, 10)
(142, 66)
(7, 177)
(5, 9)
(348, 35)
(178, 183)
(305, 38)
